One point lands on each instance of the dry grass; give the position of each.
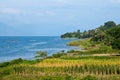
(65, 63)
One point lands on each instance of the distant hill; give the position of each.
(109, 34)
(90, 33)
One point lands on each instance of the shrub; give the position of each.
(57, 55)
(16, 61)
(116, 44)
(41, 54)
(4, 64)
(71, 51)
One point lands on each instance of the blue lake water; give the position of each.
(25, 47)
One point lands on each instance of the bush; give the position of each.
(16, 61)
(105, 49)
(57, 55)
(41, 55)
(4, 64)
(71, 51)
(116, 44)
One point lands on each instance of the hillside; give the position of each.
(109, 34)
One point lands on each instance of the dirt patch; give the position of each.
(101, 54)
(106, 55)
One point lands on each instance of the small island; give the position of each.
(98, 59)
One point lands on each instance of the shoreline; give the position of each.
(25, 47)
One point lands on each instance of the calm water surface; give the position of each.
(25, 47)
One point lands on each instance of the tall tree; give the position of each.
(109, 24)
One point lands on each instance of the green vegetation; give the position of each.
(65, 68)
(114, 37)
(17, 61)
(91, 33)
(83, 43)
(99, 59)
(41, 55)
(58, 54)
(89, 47)
(109, 34)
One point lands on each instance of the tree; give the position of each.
(41, 55)
(78, 31)
(77, 34)
(99, 36)
(114, 33)
(85, 34)
(116, 44)
(109, 24)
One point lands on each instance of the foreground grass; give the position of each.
(64, 68)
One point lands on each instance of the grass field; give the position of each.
(65, 68)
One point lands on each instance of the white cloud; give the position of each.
(37, 10)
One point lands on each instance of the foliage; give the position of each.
(13, 62)
(114, 34)
(109, 34)
(58, 54)
(97, 33)
(116, 44)
(109, 24)
(41, 55)
(83, 43)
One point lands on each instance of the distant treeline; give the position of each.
(109, 34)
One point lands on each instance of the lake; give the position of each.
(25, 46)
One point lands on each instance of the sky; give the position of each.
(55, 17)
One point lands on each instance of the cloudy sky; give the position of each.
(54, 17)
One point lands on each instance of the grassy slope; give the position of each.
(93, 48)
(84, 44)
(64, 68)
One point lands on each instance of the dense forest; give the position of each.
(109, 34)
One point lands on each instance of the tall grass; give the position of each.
(81, 68)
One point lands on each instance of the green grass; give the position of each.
(84, 44)
(64, 68)
(88, 47)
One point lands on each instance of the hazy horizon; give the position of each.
(55, 17)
